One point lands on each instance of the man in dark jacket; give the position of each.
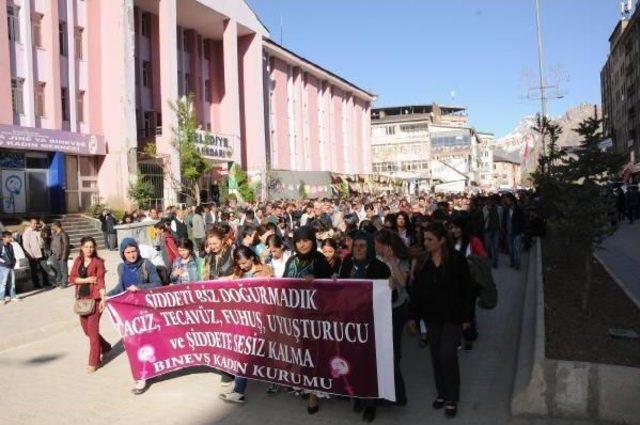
(7, 262)
(513, 225)
(108, 221)
(633, 203)
(59, 253)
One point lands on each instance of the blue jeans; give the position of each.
(240, 385)
(7, 277)
(515, 246)
(62, 273)
(492, 242)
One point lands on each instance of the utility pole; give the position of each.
(543, 99)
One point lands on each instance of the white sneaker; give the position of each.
(232, 397)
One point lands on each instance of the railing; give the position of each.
(144, 133)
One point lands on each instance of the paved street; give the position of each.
(621, 254)
(44, 382)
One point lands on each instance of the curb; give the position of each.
(529, 388)
(561, 388)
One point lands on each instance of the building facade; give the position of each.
(620, 87)
(506, 172)
(89, 89)
(432, 146)
(317, 121)
(484, 160)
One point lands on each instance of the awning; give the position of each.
(46, 140)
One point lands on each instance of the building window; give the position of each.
(13, 15)
(187, 83)
(16, 96)
(65, 103)
(146, 73)
(207, 90)
(62, 35)
(80, 106)
(148, 124)
(36, 31)
(78, 42)
(39, 99)
(145, 24)
(390, 130)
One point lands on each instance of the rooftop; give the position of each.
(416, 109)
(275, 47)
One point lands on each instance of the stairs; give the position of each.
(78, 226)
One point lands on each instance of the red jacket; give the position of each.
(96, 268)
(477, 248)
(171, 248)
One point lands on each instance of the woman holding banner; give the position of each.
(393, 252)
(308, 263)
(246, 264)
(135, 273)
(87, 274)
(363, 264)
(218, 263)
(442, 296)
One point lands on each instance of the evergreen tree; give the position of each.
(571, 185)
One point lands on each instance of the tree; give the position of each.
(572, 188)
(141, 192)
(192, 164)
(548, 176)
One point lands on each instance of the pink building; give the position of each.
(87, 84)
(317, 121)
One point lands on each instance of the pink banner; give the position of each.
(333, 336)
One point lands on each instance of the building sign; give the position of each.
(216, 147)
(45, 140)
(13, 192)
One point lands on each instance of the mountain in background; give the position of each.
(523, 144)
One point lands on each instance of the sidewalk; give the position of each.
(620, 254)
(44, 312)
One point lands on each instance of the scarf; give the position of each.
(359, 270)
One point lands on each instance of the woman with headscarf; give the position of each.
(307, 263)
(363, 264)
(135, 273)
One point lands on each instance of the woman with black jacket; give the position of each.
(442, 296)
(307, 263)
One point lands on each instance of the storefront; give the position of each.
(48, 171)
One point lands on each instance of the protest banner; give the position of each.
(333, 336)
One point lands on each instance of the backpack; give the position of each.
(162, 272)
(480, 270)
